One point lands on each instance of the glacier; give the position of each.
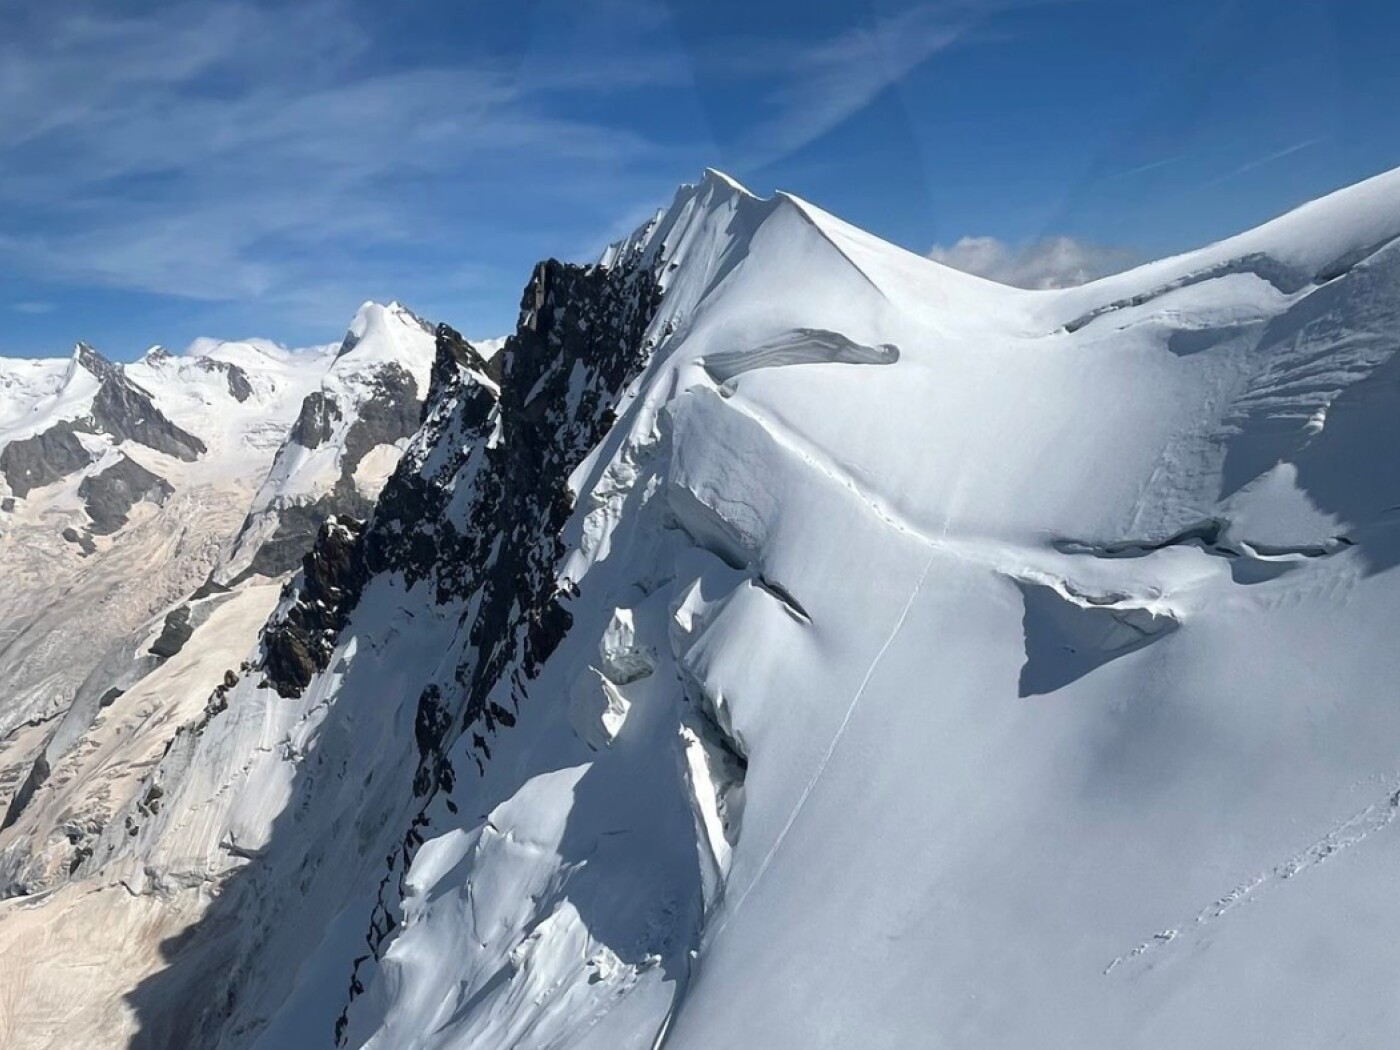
(783, 640)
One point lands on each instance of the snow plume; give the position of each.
(1050, 262)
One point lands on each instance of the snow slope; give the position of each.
(790, 642)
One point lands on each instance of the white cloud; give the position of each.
(827, 82)
(233, 151)
(819, 84)
(32, 308)
(1051, 262)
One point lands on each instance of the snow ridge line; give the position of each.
(832, 746)
(804, 212)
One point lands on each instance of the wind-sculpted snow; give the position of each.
(803, 346)
(695, 683)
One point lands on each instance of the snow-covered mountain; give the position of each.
(125, 495)
(345, 442)
(787, 641)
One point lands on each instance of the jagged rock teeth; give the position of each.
(299, 643)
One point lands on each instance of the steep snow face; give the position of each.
(998, 673)
(787, 641)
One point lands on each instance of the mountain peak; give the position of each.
(713, 177)
(384, 318)
(88, 359)
(764, 497)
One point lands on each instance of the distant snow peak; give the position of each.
(489, 348)
(345, 442)
(374, 317)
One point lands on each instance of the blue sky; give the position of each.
(188, 168)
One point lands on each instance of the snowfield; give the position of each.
(786, 641)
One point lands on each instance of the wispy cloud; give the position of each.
(32, 307)
(824, 83)
(1142, 169)
(285, 160)
(1051, 262)
(815, 85)
(230, 151)
(1259, 162)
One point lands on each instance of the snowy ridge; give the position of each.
(35, 394)
(788, 641)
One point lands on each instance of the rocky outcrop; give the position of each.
(110, 494)
(125, 411)
(239, 387)
(299, 643)
(120, 411)
(33, 462)
(314, 424)
(391, 414)
(580, 342)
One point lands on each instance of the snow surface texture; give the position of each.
(796, 643)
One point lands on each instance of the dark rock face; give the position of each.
(471, 519)
(391, 414)
(120, 409)
(453, 360)
(175, 632)
(300, 643)
(315, 421)
(298, 526)
(38, 773)
(580, 342)
(41, 460)
(110, 495)
(82, 539)
(238, 386)
(125, 411)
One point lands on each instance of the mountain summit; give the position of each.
(783, 641)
